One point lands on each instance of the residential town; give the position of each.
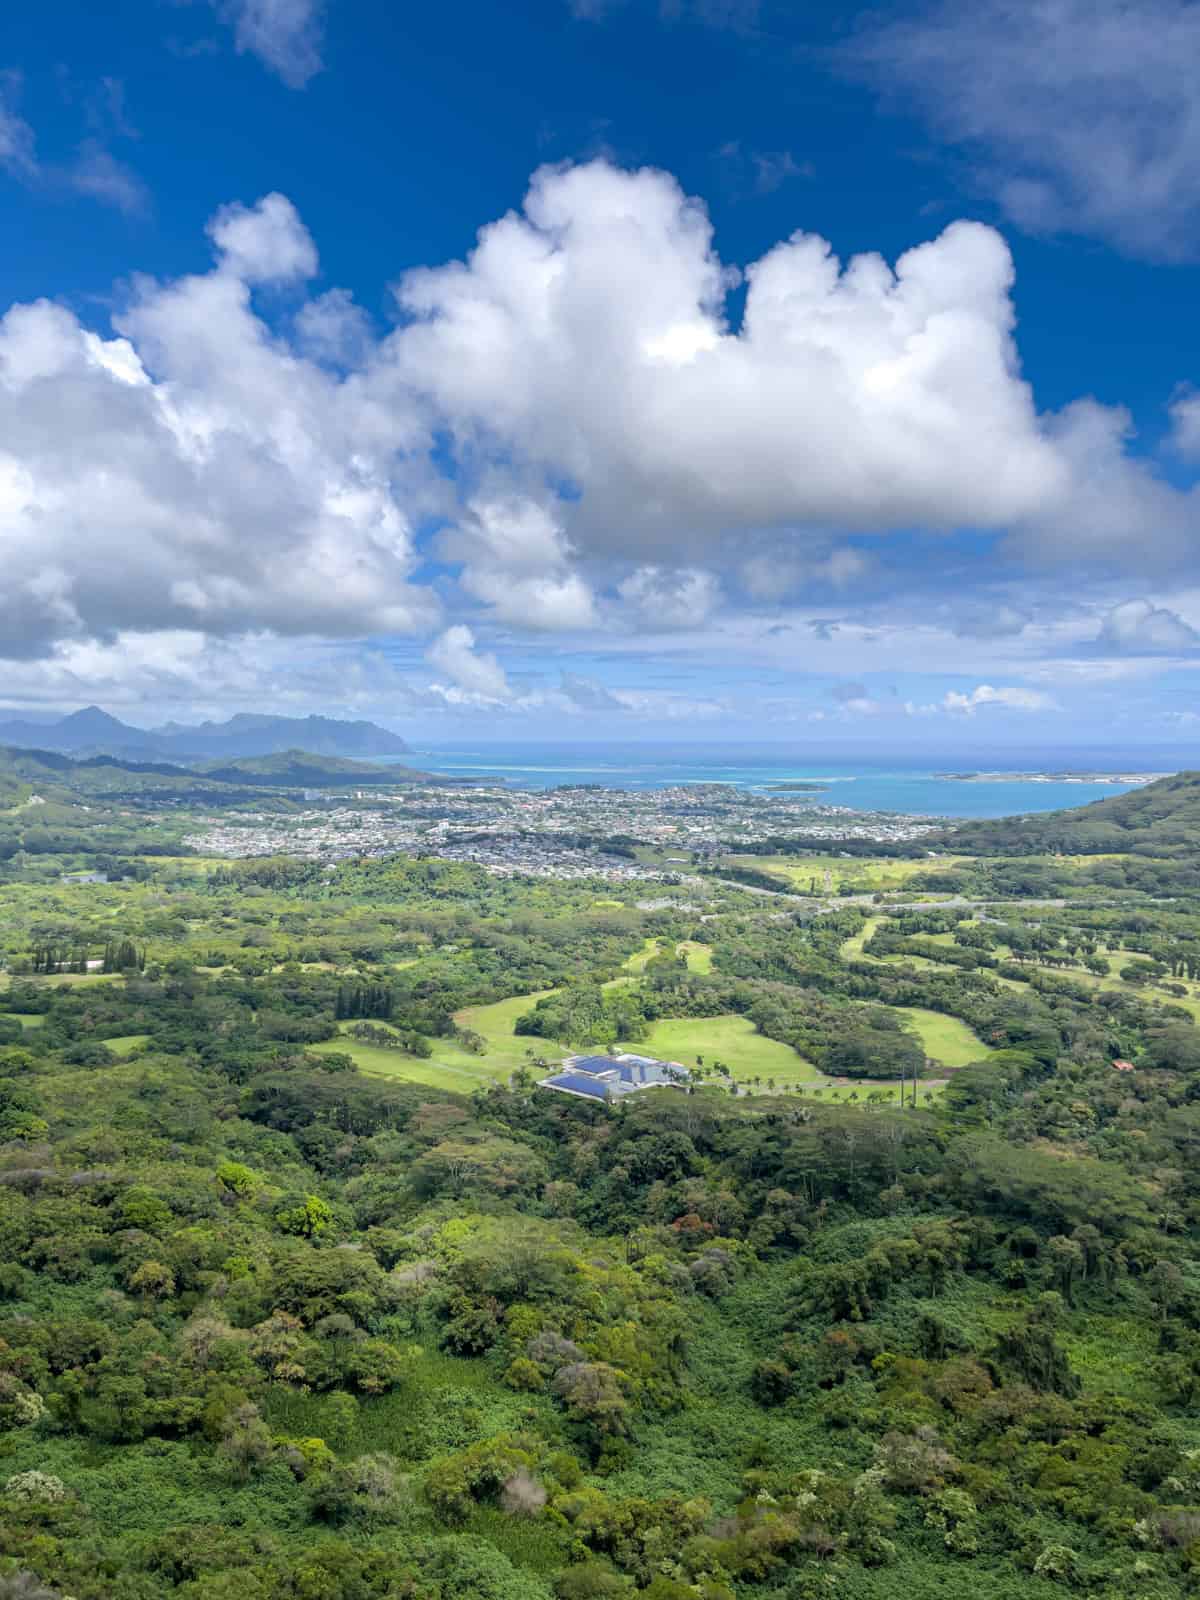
(563, 833)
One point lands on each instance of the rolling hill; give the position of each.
(304, 769)
(1161, 819)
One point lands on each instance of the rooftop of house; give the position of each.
(610, 1077)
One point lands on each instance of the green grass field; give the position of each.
(946, 1039)
(637, 961)
(451, 1067)
(852, 948)
(27, 1019)
(698, 956)
(506, 1051)
(125, 1044)
(730, 1039)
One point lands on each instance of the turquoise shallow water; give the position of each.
(906, 784)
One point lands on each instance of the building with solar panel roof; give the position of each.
(610, 1078)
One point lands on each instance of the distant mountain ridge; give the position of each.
(53, 773)
(92, 732)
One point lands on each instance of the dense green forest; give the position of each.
(310, 1291)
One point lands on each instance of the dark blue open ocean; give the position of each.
(906, 783)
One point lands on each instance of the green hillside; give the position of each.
(1161, 819)
(300, 768)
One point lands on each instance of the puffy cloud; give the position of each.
(1110, 507)
(623, 454)
(264, 243)
(285, 35)
(516, 560)
(1137, 625)
(332, 328)
(476, 677)
(1086, 115)
(683, 598)
(193, 473)
(588, 335)
(1012, 699)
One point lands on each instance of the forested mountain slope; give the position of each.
(1159, 819)
(301, 768)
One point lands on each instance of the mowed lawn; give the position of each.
(451, 1067)
(750, 1055)
(731, 1039)
(946, 1039)
(698, 956)
(852, 949)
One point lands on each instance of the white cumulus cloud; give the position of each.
(193, 473)
(476, 677)
(517, 561)
(264, 243)
(589, 334)
(624, 453)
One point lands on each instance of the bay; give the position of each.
(912, 783)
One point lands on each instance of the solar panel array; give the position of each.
(578, 1083)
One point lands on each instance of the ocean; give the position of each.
(903, 783)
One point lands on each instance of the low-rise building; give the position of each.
(609, 1078)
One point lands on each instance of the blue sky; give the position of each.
(823, 378)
